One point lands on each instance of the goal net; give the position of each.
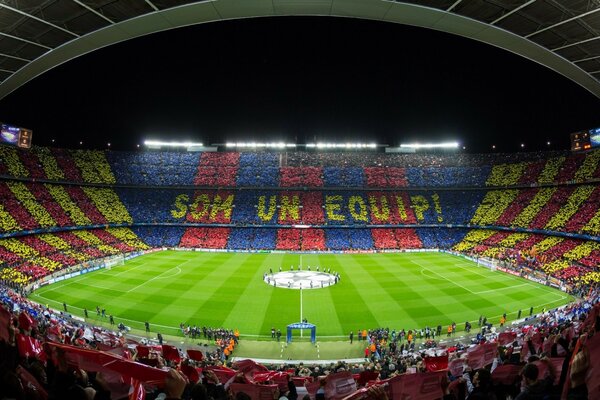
(114, 261)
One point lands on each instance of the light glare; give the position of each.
(170, 144)
(448, 145)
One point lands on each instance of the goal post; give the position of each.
(114, 261)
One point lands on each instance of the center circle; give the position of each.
(301, 279)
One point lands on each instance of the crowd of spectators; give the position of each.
(571, 260)
(396, 239)
(348, 239)
(153, 168)
(159, 236)
(47, 354)
(252, 239)
(31, 205)
(271, 169)
(27, 258)
(206, 238)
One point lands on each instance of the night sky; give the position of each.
(302, 79)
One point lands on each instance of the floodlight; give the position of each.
(254, 145)
(347, 145)
(159, 143)
(447, 145)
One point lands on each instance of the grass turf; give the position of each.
(395, 290)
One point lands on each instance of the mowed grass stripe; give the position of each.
(318, 304)
(226, 289)
(283, 306)
(429, 283)
(172, 280)
(252, 304)
(350, 296)
(226, 295)
(460, 300)
(392, 296)
(214, 268)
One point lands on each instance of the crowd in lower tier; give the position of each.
(47, 355)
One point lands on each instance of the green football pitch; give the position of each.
(395, 290)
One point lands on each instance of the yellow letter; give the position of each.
(181, 206)
(401, 209)
(292, 209)
(266, 215)
(383, 213)
(221, 206)
(199, 213)
(362, 214)
(331, 208)
(420, 206)
(438, 207)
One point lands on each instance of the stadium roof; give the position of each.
(39, 35)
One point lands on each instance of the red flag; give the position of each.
(475, 357)
(223, 373)
(5, 319)
(358, 395)
(29, 382)
(25, 321)
(490, 351)
(420, 386)
(195, 355)
(548, 343)
(590, 321)
(249, 366)
(557, 364)
(142, 351)
(137, 391)
(339, 385)
(525, 353)
(592, 346)
(99, 361)
(482, 355)
(367, 376)
(30, 347)
(536, 340)
(505, 338)
(256, 392)
(122, 351)
(312, 387)
(192, 373)
(279, 378)
(506, 374)
(301, 380)
(456, 366)
(436, 363)
(171, 353)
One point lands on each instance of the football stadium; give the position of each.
(313, 269)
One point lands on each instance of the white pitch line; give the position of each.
(170, 276)
(508, 287)
(125, 270)
(158, 276)
(473, 269)
(442, 276)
